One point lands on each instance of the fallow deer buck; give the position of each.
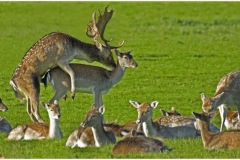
(227, 92)
(231, 120)
(226, 139)
(91, 131)
(153, 129)
(40, 130)
(58, 49)
(89, 79)
(135, 143)
(5, 127)
(174, 118)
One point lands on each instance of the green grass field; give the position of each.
(182, 49)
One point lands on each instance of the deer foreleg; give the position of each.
(68, 69)
(223, 115)
(97, 99)
(238, 105)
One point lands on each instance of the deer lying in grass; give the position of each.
(174, 118)
(135, 143)
(89, 79)
(91, 131)
(39, 130)
(58, 49)
(227, 92)
(153, 129)
(5, 127)
(227, 139)
(231, 121)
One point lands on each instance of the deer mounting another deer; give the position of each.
(225, 140)
(134, 142)
(153, 129)
(5, 127)
(227, 92)
(91, 131)
(58, 49)
(39, 130)
(89, 79)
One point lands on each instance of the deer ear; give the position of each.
(133, 132)
(55, 102)
(45, 105)
(154, 104)
(101, 109)
(203, 96)
(134, 103)
(117, 52)
(164, 112)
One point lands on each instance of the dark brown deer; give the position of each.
(58, 49)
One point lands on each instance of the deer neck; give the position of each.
(99, 135)
(205, 132)
(148, 128)
(118, 73)
(86, 51)
(54, 130)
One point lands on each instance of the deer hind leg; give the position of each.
(29, 109)
(33, 94)
(68, 69)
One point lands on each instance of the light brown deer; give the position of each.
(5, 127)
(40, 130)
(174, 118)
(58, 49)
(89, 79)
(231, 120)
(91, 131)
(227, 92)
(134, 142)
(227, 139)
(153, 129)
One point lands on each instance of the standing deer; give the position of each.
(153, 129)
(39, 130)
(226, 140)
(91, 131)
(89, 79)
(58, 49)
(135, 143)
(231, 120)
(227, 92)
(5, 127)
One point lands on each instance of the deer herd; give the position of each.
(47, 62)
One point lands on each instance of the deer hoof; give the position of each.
(73, 96)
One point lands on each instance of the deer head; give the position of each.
(97, 29)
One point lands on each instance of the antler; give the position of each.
(97, 28)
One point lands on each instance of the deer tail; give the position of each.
(16, 91)
(45, 79)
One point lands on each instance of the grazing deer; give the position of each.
(58, 49)
(227, 92)
(174, 118)
(39, 130)
(5, 127)
(89, 79)
(91, 131)
(153, 129)
(231, 121)
(227, 139)
(134, 142)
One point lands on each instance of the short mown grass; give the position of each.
(182, 48)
